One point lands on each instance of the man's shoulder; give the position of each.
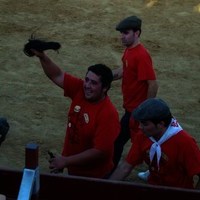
(143, 49)
(108, 106)
(183, 137)
(139, 51)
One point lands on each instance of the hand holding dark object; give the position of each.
(51, 155)
(4, 127)
(55, 171)
(39, 45)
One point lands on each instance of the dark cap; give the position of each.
(131, 22)
(151, 109)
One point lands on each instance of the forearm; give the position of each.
(197, 186)
(121, 172)
(50, 68)
(84, 158)
(152, 89)
(117, 73)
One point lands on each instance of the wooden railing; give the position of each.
(58, 187)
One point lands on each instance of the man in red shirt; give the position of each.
(173, 156)
(138, 79)
(93, 121)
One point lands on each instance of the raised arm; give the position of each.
(51, 69)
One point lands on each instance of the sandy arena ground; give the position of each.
(36, 108)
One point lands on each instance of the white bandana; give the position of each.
(172, 129)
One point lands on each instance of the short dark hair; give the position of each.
(104, 72)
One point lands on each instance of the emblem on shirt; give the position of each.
(126, 63)
(86, 117)
(77, 108)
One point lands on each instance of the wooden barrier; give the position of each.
(58, 187)
(53, 187)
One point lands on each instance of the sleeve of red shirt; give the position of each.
(72, 85)
(145, 67)
(135, 154)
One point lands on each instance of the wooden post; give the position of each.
(31, 156)
(30, 184)
(31, 162)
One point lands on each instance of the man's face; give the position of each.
(150, 129)
(128, 38)
(93, 87)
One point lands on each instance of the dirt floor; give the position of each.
(36, 108)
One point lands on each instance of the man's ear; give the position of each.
(137, 33)
(105, 89)
(161, 124)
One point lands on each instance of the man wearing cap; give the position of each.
(138, 79)
(172, 155)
